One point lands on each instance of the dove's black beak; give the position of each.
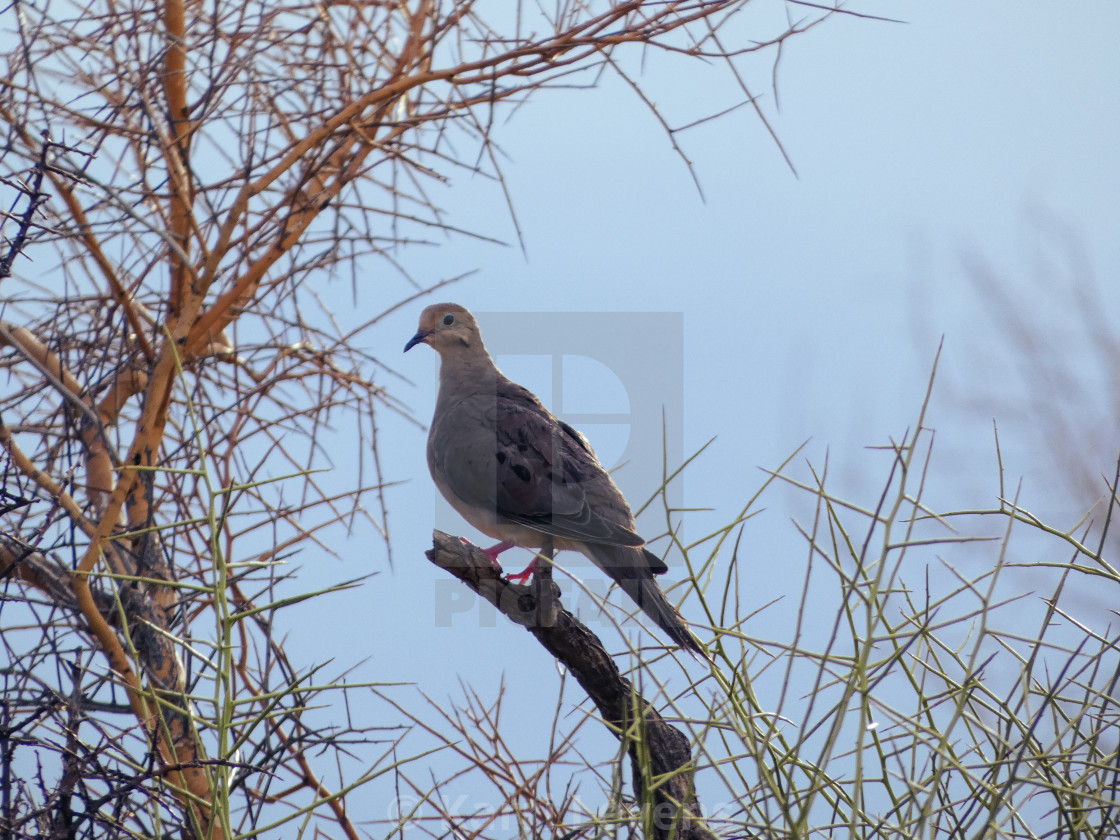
(417, 339)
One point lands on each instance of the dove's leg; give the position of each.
(493, 552)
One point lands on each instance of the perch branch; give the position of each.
(665, 768)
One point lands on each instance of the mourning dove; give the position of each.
(516, 473)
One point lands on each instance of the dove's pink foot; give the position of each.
(522, 576)
(493, 552)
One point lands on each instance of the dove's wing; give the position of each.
(507, 454)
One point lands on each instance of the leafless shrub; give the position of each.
(179, 178)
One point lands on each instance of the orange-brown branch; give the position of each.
(100, 476)
(176, 742)
(99, 466)
(177, 148)
(45, 482)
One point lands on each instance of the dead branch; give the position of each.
(649, 738)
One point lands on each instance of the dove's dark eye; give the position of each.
(448, 319)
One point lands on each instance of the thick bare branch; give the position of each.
(660, 757)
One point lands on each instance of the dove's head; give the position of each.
(446, 327)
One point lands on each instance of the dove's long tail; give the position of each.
(631, 569)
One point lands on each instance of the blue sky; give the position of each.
(812, 304)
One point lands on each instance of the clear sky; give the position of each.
(812, 303)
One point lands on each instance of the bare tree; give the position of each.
(176, 174)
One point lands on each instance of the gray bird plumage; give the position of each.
(516, 472)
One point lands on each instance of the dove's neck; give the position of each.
(467, 374)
